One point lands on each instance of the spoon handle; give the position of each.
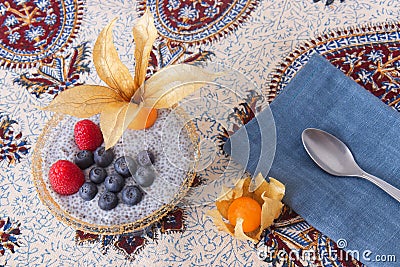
(388, 188)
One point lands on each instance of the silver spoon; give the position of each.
(334, 157)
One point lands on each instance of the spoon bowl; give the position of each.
(329, 153)
(334, 157)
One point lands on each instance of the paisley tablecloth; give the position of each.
(45, 48)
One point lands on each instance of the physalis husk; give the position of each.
(126, 98)
(268, 195)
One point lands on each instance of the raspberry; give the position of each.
(87, 135)
(65, 177)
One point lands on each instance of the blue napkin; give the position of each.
(321, 96)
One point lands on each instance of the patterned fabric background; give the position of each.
(55, 38)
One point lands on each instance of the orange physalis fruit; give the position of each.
(249, 210)
(145, 119)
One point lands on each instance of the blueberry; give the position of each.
(97, 175)
(145, 158)
(125, 166)
(108, 201)
(114, 183)
(84, 159)
(103, 157)
(88, 191)
(131, 195)
(144, 176)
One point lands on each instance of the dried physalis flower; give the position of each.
(245, 214)
(126, 101)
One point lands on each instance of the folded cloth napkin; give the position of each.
(321, 96)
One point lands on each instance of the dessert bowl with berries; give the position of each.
(122, 189)
(116, 158)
